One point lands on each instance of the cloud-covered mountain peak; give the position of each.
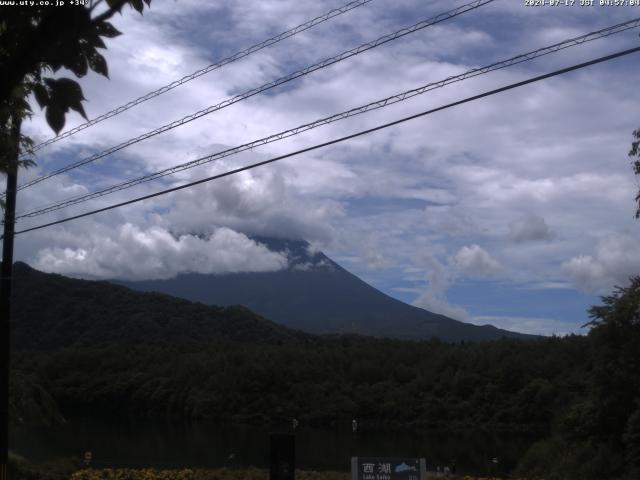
(301, 255)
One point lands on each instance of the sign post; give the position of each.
(283, 457)
(382, 468)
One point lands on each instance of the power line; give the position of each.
(339, 116)
(214, 66)
(250, 93)
(341, 139)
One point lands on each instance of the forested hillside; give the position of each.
(97, 348)
(503, 384)
(94, 344)
(52, 312)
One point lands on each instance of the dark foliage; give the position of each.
(384, 383)
(599, 435)
(20, 469)
(70, 313)
(43, 39)
(105, 348)
(30, 403)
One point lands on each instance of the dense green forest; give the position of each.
(122, 352)
(503, 385)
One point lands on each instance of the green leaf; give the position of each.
(79, 66)
(80, 109)
(116, 4)
(138, 5)
(40, 93)
(98, 64)
(55, 118)
(95, 41)
(69, 88)
(24, 106)
(105, 29)
(19, 91)
(71, 58)
(64, 94)
(49, 82)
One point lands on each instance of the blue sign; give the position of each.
(382, 468)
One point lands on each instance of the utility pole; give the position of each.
(5, 290)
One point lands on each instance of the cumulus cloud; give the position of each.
(433, 299)
(470, 260)
(529, 228)
(373, 258)
(132, 253)
(474, 260)
(446, 182)
(616, 259)
(258, 202)
(432, 302)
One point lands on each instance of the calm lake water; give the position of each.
(171, 445)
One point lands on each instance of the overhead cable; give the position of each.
(336, 117)
(282, 80)
(214, 66)
(338, 140)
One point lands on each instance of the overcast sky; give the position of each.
(515, 210)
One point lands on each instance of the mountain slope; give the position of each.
(50, 312)
(317, 295)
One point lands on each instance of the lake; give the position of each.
(180, 445)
